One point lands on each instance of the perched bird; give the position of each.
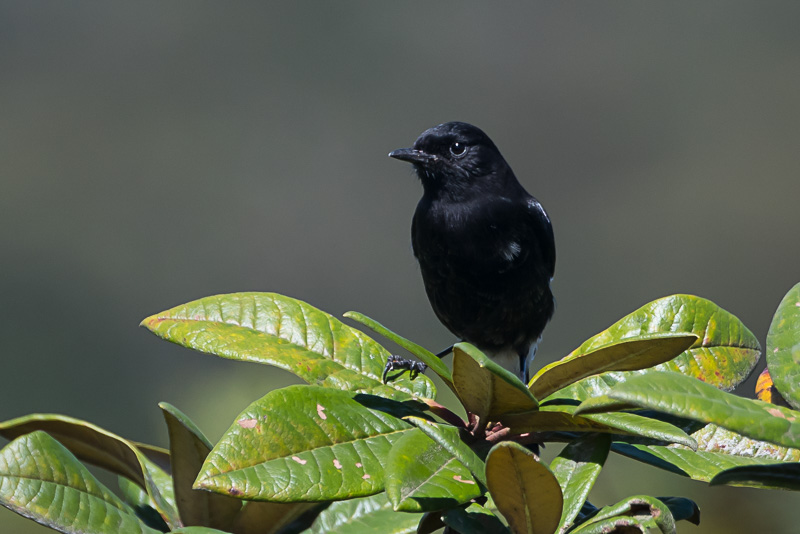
(485, 246)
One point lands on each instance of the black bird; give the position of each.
(485, 246)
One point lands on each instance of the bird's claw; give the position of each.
(404, 364)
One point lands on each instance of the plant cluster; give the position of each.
(350, 453)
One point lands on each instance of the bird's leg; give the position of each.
(404, 364)
(445, 352)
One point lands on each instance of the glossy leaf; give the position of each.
(577, 469)
(783, 347)
(450, 439)
(713, 438)
(40, 479)
(641, 513)
(562, 418)
(422, 476)
(85, 440)
(99, 447)
(306, 443)
(683, 396)
(367, 515)
(474, 519)
(784, 476)
(188, 449)
(486, 389)
(723, 356)
(287, 333)
(630, 354)
(433, 362)
(718, 450)
(523, 489)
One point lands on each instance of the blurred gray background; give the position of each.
(154, 153)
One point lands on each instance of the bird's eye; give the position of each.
(458, 149)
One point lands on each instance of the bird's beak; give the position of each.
(412, 155)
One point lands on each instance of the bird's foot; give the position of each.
(396, 362)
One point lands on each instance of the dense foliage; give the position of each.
(349, 453)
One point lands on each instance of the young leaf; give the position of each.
(422, 476)
(683, 396)
(330, 444)
(367, 515)
(287, 333)
(485, 388)
(523, 489)
(188, 449)
(631, 354)
(723, 356)
(576, 470)
(425, 356)
(783, 347)
(41, 480)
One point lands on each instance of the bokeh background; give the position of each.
(152, 153)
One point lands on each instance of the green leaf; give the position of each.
(777, 476)
(640, 513)
(577, 469)
(142, 504)
(422, 476)
(287, 333)
(99, 447)
(523, 489)
(188, 449)
(683, 396)
(368, 515)
(631, 354)
(451, 440)
(306, 443)
(723, 356)
(712, 438)
(562, 418)
(41, 480)
(486, 389)
(783, 347)
(427, 357)
(474, 519)
(88, 442)
(718, 450)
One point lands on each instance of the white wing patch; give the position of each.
(511, 250)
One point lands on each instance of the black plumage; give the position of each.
(485, 246)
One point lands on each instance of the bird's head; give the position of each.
(456, 158)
